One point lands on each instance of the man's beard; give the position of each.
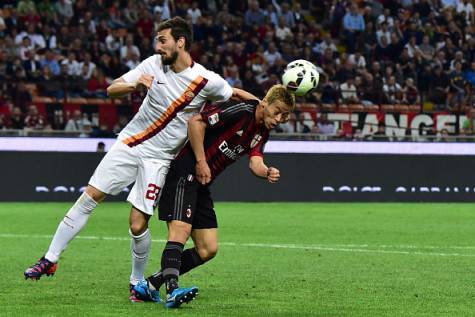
(170, 60)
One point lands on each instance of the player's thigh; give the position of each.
(206, 242)
(150, 180)
(205, 215)
(116, 171)
(178, 199)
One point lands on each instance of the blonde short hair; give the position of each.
(280, 93)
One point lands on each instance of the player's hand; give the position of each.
(203, 172)
(144, 80)
(273, 175)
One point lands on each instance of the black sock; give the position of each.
(155, 281)
(171, 262)
(189, 260)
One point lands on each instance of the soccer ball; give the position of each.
(300, 62)
(300, 77)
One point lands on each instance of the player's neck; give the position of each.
(183, 61)
(259, 115)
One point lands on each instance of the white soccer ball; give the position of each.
(300, 62)
(300, 77)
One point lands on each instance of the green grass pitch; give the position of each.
(275, 259)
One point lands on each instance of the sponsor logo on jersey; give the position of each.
(213, 119)
(257, 138)
(189, 95)
(233, 154)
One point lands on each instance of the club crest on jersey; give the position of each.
(213, 119)
(189, 95)
(257, 138)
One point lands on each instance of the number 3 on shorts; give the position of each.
(152, 192)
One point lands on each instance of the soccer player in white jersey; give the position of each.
(177, 89)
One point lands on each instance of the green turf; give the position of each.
(275, 259)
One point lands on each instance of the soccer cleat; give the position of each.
(40, 268)
(142, 293)
(180, 296)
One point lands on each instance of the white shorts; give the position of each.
(122, 166)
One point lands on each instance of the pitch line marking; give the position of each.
(337, 248)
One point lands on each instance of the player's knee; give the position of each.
(179, 231)
(207, 252)
(137, 228)
(95, 193)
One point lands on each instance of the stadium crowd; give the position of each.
(369, 53)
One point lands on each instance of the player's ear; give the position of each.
(181, 42)
(264, 103)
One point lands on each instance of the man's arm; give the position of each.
(196, 134)
(258, 168)
(120, 87)
(240, 94)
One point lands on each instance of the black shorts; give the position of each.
(184, 199)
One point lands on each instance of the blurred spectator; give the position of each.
(411, 94)
(21, 96)
(326, 43)
(439, 87)
(50, 85)
(380, 134)
(371, 91)
(324, 126)
(32, 67)
(353, 24)
(426, 48)
(457, 87)
(392, 91)
(101, 147)
(97, 85)
(443, 136)
(358, 60)
(468, 124)
(26, 48)
(285, 12)
(64, 8)
(17, 120)
(194, 12)
(72, 65)
(465, 8)
(163, 7)
(50, 61)
(58, 120)
(253, 15)
(271, 55)
(77, 122)
(470, 74)
(129, 49)
(302, 124)
(282, 30)
(348, 91)
(34, 120)
(383, 32)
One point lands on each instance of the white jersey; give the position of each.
(159, 129)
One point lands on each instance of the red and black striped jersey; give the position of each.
(231, 132)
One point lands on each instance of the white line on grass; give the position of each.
(337, 248)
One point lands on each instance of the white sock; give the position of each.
(140, 250)
(70, 226)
